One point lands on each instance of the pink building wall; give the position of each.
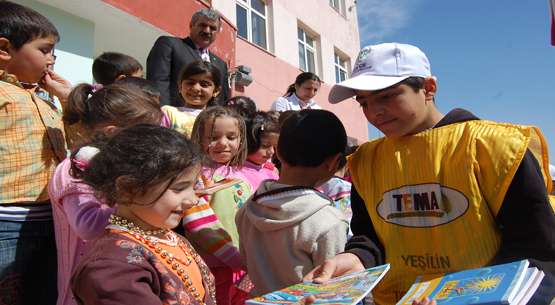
(273, 75)
(174, 17)
(275, 69)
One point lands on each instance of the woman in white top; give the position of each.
(299, 95)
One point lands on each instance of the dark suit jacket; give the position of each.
(166, 59)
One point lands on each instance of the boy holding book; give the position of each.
(438, 193)
(288, 227)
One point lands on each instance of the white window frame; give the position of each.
(307, 48)
(338, 67)
(246, 4)
(336, 4)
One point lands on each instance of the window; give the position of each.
(251, 21)
(336, 4)
(307, 52)
(340, 69)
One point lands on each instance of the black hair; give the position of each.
(284, 115)
(242, 105)
(415, 82)
(259, 123)
(208, 14)
(115, 105)
(200, 67)
(20, 24)
(301, 78)
(309, 137)
(135, 159)
(107, 67)
(143, 84)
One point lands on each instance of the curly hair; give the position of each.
(210, 115)
(134, 159)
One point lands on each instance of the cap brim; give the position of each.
(346, 89)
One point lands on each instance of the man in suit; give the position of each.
(170, 54)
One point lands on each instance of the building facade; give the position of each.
(276, 39)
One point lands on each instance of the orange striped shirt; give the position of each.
(32, 143)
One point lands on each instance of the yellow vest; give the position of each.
(433, 197)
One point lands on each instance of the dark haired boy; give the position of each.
(32, 144)
(438, 193)
(111, 66)
(288, 227)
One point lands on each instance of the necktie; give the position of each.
(204, 54)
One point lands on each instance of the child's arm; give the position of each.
(330, 243)
(365, 242)
(527, 224)
(204, 228)
(86, 216)
(115, 282)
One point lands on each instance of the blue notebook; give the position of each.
(497, 284)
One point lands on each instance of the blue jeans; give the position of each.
(28, 265)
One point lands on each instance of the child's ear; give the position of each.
(430, 87)
(119, 77)
(5, 47)
(217, 91)
(277, 154)
(333, 162)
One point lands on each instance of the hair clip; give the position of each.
(230, 102)
(262, 127)
(96, 87)
(84, 156)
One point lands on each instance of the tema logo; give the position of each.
(423, 205)
(362, 55)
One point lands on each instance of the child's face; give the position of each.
(266, 150)
(225, 139)
(396, 111)
(167, 211)
(31, 61)
(307, 90)
(197, 90)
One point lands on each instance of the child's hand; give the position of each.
(340, 264)
(425, 301)
(56, 85)
(308, 300)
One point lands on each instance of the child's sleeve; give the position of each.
(203, 227)
(365, 243)
(86, 216)
(527, 223)
(331, 242)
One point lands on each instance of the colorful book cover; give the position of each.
(489, 285)
(347, 289)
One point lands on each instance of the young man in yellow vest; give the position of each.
(439, 193)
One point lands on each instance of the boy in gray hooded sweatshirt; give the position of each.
(287, 227)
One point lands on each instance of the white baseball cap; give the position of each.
(380, 66)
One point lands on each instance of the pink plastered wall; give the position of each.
(271, 77)
(174, 18)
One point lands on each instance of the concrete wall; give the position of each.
(75, 50)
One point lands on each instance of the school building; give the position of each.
(266, 43)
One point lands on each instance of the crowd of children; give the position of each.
(111, 200)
